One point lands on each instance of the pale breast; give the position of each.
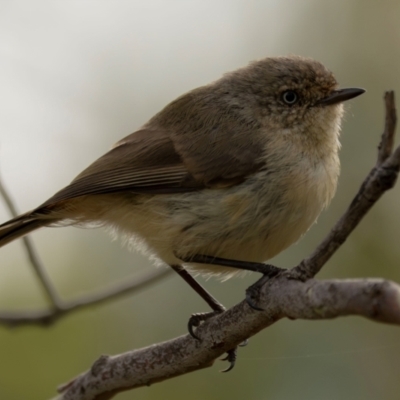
(252, 221)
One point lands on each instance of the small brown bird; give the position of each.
(224, 177)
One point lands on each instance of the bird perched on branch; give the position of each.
(223, 178)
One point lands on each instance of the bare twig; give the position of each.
(33, 257)
(381, 178)
(58, 308)
(385, 147)
(46, 317)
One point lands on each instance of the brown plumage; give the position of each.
(230, 169)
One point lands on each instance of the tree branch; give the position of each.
(33, 257)
(381, 178)
(46, 317)
(280, 297)
(58, 308)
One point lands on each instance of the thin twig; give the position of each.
(385, 147)
(46, 317)
(381, 178)
(58, 308)
(33, 257)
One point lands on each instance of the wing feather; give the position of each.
(143, 162)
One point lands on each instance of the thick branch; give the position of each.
(280, 297)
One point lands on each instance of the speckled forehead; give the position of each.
(302, 74)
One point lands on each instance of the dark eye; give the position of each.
(290, 97)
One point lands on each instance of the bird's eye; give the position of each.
(290, 97)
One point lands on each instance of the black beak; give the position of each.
(337, 96)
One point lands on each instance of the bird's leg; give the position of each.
(196, 319)
(267, 270)
(215, 305)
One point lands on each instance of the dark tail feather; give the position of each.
(19, 227)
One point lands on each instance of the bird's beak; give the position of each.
(337, 96)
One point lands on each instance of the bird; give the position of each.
(220, 180)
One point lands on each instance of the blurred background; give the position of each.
(75, 77)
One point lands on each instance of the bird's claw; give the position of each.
(231, 356)
(196, 319)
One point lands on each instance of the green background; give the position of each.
(75, 77)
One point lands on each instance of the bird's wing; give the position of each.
(144, 162)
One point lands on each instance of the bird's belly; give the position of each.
(252, 222)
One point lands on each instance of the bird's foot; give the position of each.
(231, 356)
(195, 321)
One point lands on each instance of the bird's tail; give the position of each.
(20, 226)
